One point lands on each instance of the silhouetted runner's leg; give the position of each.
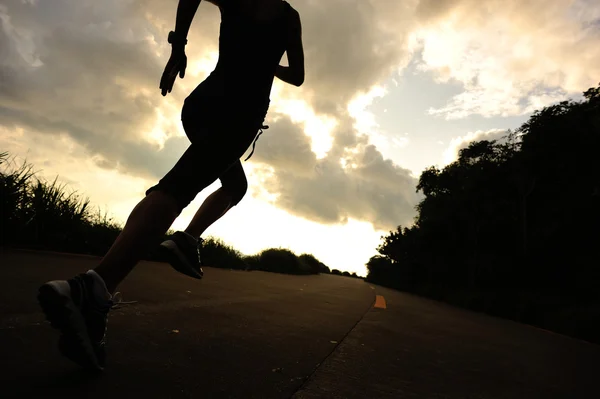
(79, 307)
(220, 137)
(233, 188)
(184, 249)
(225, 113)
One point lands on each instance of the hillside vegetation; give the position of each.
(512, 228)
(47, 215)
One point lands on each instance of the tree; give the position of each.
(512, 224)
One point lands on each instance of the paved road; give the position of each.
(264, 335)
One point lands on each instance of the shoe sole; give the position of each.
(55, 300)
(177, 259)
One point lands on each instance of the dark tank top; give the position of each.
(249, 52)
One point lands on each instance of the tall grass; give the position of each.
(14, 194)
(40, 214)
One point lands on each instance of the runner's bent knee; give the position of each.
(234, 183)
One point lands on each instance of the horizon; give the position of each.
(343, 153)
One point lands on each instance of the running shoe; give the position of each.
(73, 307)
(182, 251)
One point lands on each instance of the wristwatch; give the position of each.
(173, 38)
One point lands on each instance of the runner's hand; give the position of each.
(176, 65)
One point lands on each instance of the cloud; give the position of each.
(511, 56)
(95, 80)
(90, 70)
(458, 143)
(353, 181)
(351, 46)
(285, 146)
(79, 80)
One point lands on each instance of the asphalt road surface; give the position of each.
(262, 335)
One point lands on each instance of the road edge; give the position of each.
(310, 377)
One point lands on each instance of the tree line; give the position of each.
(512, 227)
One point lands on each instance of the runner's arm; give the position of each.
(294, 73)
(186, 10)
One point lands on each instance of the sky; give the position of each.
(392, 87)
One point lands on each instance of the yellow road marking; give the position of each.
(371, 287)
(380, 302)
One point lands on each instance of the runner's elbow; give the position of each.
(298, 79)
(298, 82)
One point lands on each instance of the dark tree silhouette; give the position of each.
(512, 227)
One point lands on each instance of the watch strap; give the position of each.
(173, 38)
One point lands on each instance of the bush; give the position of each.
(253, 262)
(381, 271)
(280, 260)
(354, 275)
(216, 253)
(100, 233)
(314, 264)
(37, 214)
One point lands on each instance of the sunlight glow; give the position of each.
(203, 64)
(318, 128)
(365, 120)
(158, 134)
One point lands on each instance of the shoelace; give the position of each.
(118, 301)
(260, 131)
(199, 250)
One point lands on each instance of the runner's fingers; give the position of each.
(170, 74)
(172, 81)
(182, 69)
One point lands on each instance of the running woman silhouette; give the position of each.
(222, 117)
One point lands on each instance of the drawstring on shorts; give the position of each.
(260, 131)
